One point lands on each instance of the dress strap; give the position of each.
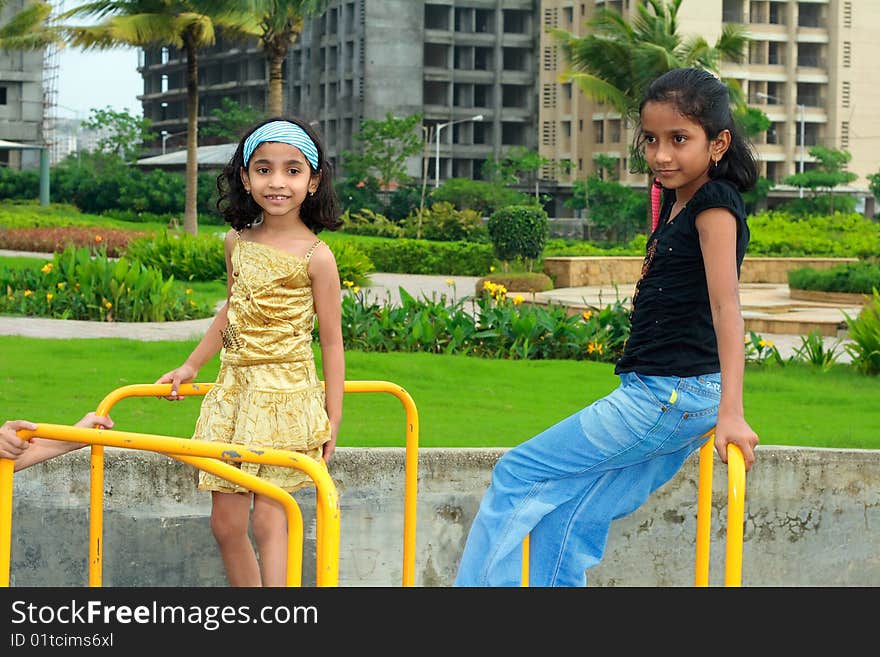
(312, 250)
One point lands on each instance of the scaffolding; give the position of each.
(51, 66)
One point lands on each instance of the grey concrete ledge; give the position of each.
(812, 519)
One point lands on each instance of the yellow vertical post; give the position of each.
(412, 468)
(96, 512)
(6, 468)
(704, 512)
(525, 561)
(736, 498)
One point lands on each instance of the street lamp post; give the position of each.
(802, 156)
(438, 128)
(165, 136)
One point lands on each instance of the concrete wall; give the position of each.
(812, 519)
(579, 271)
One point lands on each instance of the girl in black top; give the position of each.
(681, 373)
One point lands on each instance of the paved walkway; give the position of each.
(757, 300)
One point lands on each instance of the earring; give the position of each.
(311, 193)
(716, 162)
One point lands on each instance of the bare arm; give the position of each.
(327, 296)
(717, 229)
(36, 450)
(212, 341)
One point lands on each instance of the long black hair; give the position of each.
(701, 97)
(238, 208)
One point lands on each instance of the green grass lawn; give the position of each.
(461, 401)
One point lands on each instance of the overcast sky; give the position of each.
(96, 79)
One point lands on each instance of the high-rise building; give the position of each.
(467, 66)
(21, 99)
(808, 68)
(485, 76)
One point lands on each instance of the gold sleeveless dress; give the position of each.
(267, 392)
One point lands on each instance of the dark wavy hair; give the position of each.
(701, 97)
(239, 209)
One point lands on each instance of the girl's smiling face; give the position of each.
(677, 149)
(278, 177)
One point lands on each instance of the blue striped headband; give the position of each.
(286, 133)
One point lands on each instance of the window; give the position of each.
(614, 129)
(598, 132)
(3, 95)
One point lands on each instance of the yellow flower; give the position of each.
(60, 285)
(28, 293)
(356, 289)
(595, 347)
(491, 268)
(518, 299)
(98, 238)
(586, 315)
(47, 268)
(488, 285)
(348, 283)
(449, 281)
(189, 290)
(49, 297)
(768, 343)
(108, 305)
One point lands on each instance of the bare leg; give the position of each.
(270, 532)
(229, 522)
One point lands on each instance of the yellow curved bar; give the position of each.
(736, 486)
(412, 468)
(411, 458)
(96, 465)
(257, 485)
(197, 451)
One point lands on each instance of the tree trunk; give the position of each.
(190, 208)
(274, 108)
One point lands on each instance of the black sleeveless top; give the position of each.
(671, 322)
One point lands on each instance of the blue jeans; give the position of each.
(564, 486)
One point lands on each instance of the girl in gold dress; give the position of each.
(277, 194)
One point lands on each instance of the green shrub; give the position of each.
(519, 232)
(443, 223)
(367, 222)
(491, 326)
(864, 331)
(478, 195)
(181, 255)
(78, 284)
(839, 235)
(853, 278)
(352, 263)
(425, 257)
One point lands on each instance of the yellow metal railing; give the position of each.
(736, 502)
(202, 454)
(736, 493)
(196, 389)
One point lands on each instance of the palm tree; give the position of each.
(185, 24)
(617, 60)
(28, 29)
(277, 24)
